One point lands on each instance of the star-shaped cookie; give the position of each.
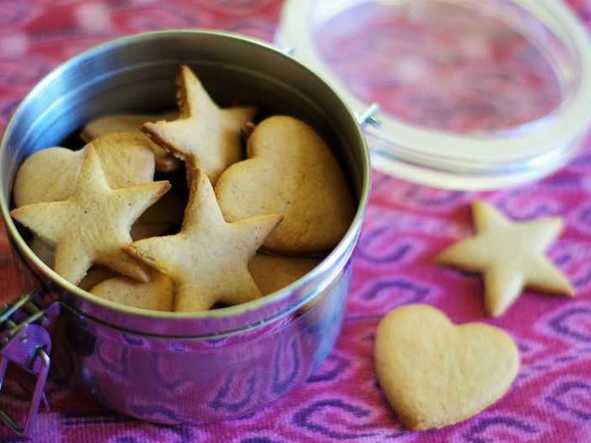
(93, 224)
(208, 259)
(205, 136)
(510, 255)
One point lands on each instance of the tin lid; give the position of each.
(471, 94)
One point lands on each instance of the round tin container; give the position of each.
(179, 367)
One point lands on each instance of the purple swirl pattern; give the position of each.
(406, 225)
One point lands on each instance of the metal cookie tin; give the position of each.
(178, 367)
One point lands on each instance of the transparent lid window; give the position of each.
(472, 94)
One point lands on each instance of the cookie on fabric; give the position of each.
(51, 174)
(132, 123)
(272, 273)
(290, 170)
(93, 224)
(155, 295)
(435, 373)
(208, 259)
(205, 136)
(510, 255)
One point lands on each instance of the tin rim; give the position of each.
(331, 260)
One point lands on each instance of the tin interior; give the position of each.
(137, 74)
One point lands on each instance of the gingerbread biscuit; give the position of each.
(274, 273)
(51, 174)
(132, 123)
(435, 373)
(163, 217)
(96, 275)
(208, 259)
(139, 231)
(93, 224)
(155, 295)
(291, 171)
(510, 255)
(205, 136)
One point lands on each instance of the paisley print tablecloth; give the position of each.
(406, 225)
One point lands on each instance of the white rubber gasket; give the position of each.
(491, 159)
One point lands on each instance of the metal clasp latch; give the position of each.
(26, 343)
(369, 116)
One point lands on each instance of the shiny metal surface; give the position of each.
(196, 381)
(179, 367)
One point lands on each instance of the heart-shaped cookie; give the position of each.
(51, 174)
(291, 171)
(435, 373)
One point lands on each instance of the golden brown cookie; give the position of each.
(51, 174)
(208, 259)
(436, 374)
(138, 232)
(47, 175)
(131, 123)
(291, 171)
(510, 255)
(96, 275)
(274, 273)
(156, 295)
(93, 224)
(205, 135)
(163, 217)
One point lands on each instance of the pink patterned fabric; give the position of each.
(406, 225)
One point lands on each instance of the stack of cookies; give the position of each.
(221, 225)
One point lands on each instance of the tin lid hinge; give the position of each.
(25, 343)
